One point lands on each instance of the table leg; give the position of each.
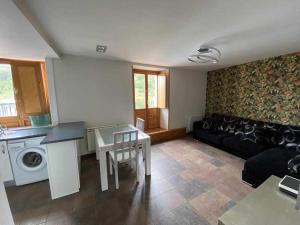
(147, 147)
(103, 170)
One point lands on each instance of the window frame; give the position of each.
(21, 120)
(134, 92)
(10, 119)
(146, 73)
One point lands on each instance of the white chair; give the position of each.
(125, 149)
(140, 124)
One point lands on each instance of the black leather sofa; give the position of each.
(266, 147)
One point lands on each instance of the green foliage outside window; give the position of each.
(139, 89)
(6, 84)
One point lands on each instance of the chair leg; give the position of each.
(116, 175)
(137, 167)
(110, 166)
(143, 152)
(131, 164)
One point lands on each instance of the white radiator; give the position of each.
(90, 133)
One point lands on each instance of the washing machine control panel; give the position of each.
(15, 145)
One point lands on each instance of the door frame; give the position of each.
(146, 73)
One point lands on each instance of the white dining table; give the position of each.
(104, 143)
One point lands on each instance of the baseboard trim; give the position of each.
(9, 183)
(167, 135)
(89, 155)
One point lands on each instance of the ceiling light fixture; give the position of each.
(101, 48)
(206, 54)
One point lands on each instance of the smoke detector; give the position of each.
(101, 48)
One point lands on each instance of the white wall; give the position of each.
(100, 92)
(164, 118)
(93, 90)
(187, 96)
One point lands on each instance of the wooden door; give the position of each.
(145, 85)
(29, 90)
(153, 118)
(23, 91)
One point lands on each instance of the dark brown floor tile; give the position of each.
(85, 216)
(189, 189)
(168, 167)
(210, 204)
(32, 216)
(153, 187)
(168, 218)
(186, 215)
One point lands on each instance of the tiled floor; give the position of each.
(191, 184)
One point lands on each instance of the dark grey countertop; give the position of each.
(14, 134)
(59, 133)
(65, 132)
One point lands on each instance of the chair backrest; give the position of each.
(140, 124)
(125, 142)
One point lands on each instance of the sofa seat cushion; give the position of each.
(270, 162)
(210, 136)
(243, 148)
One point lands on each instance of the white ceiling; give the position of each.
(18, 38)
(166, 32)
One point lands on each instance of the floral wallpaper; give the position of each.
(266, 90)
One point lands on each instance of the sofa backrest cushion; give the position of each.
(256, 131)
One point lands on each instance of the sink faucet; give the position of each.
(2, 129)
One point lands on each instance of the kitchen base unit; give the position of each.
(63, 168)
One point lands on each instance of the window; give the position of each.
(7, 98)
(152, 91)
(23, 92)
(140, 90)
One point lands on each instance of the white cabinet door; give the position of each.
(63, 168)
(5, 166)
(5, 215)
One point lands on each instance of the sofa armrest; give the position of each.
(197, 125)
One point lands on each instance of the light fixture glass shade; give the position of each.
(206, 54)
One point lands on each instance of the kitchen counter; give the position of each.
(13, 134)
(61, 132)
(61, 144)
(65, 132)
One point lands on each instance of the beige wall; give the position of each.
(187, 96)
(100, 91)
(95, 91)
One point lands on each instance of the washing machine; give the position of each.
(28, 160)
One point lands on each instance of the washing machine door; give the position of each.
(32, 159)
